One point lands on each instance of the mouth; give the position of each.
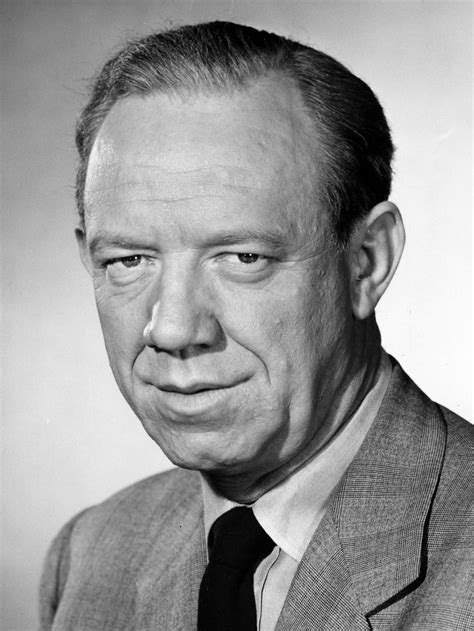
(193, 388)
(193, 400)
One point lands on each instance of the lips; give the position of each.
(192, 388)
(195, 401)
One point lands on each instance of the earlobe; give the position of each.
(376, 249)
(80, 234)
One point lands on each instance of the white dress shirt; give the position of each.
(291, 511)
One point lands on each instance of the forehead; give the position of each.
(256, 142)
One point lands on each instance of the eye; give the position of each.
(246, 266)
(127, 269)
(128, 261)
(248, 257)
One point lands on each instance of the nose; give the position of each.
(181, 317)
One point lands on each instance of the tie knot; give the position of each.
(237, 540)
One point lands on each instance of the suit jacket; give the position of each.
(393, 551)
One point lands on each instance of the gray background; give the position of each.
(69, 439)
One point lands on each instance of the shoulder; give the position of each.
(405, 397)
(460, 433)
(455, 495)
(156, 489)
(118, 530)
(427, 432)
(133, 507)
(98, 547)
(452, 502)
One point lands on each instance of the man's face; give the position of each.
(224, 306)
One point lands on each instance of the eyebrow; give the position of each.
(104, 239)
(273, 239)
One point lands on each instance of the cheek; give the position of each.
(123, 321)
(279, 330)
(310, 326)
(328, 300)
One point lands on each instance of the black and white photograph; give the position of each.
(236, 315)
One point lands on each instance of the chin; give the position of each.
(208, 458)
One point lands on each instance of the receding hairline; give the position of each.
(223, 57)
(284, 82)
(303, 146)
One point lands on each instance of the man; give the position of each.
(232, 193)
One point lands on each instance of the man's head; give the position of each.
(234, 326)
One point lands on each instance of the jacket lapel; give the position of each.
(369, 549)
(321, 595)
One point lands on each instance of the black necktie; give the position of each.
(237, 544)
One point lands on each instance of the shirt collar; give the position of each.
(291, 511)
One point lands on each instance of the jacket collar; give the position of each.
(369, 548)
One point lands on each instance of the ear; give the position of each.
(375, 251)
(81, 239)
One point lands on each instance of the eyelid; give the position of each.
(118, 259)
(108, 258)
(248, 252)
(237, 269)
(256, 251)
(118, 274)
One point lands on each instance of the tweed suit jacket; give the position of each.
(393, 551)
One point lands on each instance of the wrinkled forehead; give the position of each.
(259, 138)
